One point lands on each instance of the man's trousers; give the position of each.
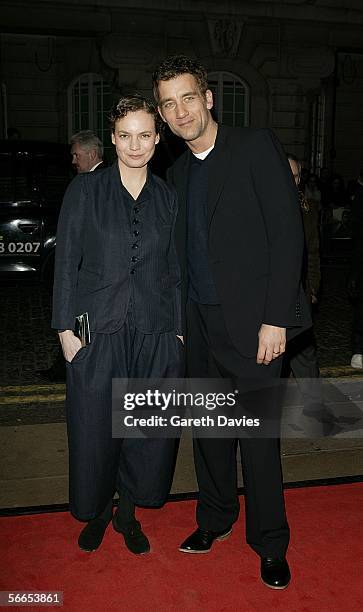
(210, 353)
(98, 463)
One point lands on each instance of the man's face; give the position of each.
(184, 107)
(82, 159)
(295, 170)
(135, 139)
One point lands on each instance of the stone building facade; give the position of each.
(293, 65)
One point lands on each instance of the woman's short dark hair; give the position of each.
(176, 65)
(130, 104)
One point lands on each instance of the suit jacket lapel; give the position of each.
(180, 182)
(218, 169)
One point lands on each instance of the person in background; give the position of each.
(301, 353)
(86, 151)
(87, 156)
(309, 204)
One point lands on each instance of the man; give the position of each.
(301, 355)
(86, 151)
(87, 156)
(240, 240)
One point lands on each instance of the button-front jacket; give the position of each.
(114, 252)
(255, 234)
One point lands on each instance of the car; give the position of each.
(33, 178)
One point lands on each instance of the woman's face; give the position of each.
(135, 139)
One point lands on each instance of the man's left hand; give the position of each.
(271, 343)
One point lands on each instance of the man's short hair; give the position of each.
(87, 140)
(176, 65)
(292, 157)
(131, 104)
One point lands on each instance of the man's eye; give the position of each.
(145, 136)
(189, 99)
(169, 105)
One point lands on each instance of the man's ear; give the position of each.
(157, 139)
(209, 98)
(113, 138)
(161, 114)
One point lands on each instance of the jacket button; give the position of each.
(136, 210)
(135, 246)
(136, 232)
(135, 221)
(132, 271)
(133, 258)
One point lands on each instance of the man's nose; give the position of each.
(180, 110)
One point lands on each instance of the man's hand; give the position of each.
(272, 343)
(70, 344)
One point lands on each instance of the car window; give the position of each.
(52, 174)
(15, 178)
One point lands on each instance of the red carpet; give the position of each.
(39, 552)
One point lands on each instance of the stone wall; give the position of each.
(288, 52)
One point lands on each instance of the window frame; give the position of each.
(220, 76)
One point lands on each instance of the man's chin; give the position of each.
(188, 135)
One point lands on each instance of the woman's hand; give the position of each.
(70, 344)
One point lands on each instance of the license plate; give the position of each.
(20, 248)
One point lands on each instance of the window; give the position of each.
(317, 118)
(231, 98)
(89, 102)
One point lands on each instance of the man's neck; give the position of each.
(206, 141)
(95, 165)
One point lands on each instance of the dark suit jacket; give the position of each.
(255, 233)
(94, 250)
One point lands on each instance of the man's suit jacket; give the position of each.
(255, 234)
(94, 269)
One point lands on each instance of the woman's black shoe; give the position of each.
(135, 540)
(92, 534)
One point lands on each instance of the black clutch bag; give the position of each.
(81, 329)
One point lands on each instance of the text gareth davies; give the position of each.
(177, 421)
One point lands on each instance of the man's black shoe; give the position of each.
(201, 540)
(135, 540)
(275, 573)
(92, 534)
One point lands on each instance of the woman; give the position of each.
(116, 261)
